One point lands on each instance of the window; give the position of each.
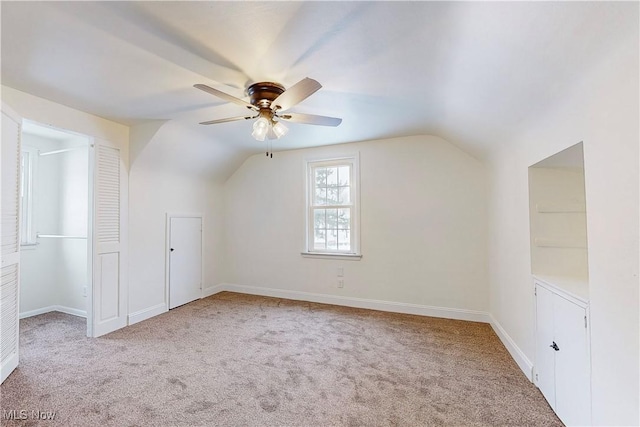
(332, 207)
(28, 162)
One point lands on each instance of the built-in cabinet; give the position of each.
(559, 264)
(562, 369)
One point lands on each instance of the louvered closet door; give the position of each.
(109, 268)
(10, 242)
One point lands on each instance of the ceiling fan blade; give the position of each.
(295, 94)
(228, 119)
(311, 119)
(225, 96)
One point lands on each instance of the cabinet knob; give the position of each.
(555, 346)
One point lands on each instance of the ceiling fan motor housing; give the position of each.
(262, 94)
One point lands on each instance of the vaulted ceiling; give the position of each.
(473, 73)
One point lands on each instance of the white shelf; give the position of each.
(561, 242)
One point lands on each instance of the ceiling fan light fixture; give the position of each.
(260, 129)
(279, 129)
(269, 100)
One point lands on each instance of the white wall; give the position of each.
(423, 225)
(62, 117)
(74, 206)
(39, 264)
(161, 182)
(601, 110)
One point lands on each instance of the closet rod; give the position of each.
(58, 236)
(48, 153)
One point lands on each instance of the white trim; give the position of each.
(353, 159)
(516, 353)
(147, 313)
(390, 306)
(27, 191)
(323, 255)
(72, 311)
(212, 290)
(49, 309)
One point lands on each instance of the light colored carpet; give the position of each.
(239, 360)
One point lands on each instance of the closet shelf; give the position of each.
(65, 150)
(561, 242)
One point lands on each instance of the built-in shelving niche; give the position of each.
(558, 220)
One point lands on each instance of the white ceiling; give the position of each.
(473, 73)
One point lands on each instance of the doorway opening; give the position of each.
(56, 222)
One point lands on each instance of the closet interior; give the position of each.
(55, 221)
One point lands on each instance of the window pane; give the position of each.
(344, 195)
(332, 239)
(344, 240)
(319, 218)
(332, 218)
(319, 239)
(332, 196)
(320, 196)
(321, 177)
(344, 175)
(332, 177)
(344, 219)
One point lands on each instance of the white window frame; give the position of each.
(353, 160)
(28, 237)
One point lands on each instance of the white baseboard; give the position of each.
(395, 307)
(147, 313)
(49, 309)
(72, 311)
(518, 355)
(212, 290)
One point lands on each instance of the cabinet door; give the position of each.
(572, 363)
(545, 355)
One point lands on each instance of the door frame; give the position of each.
(90, 213)
(167, 271)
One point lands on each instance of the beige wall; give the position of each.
(160, 182)
(423, 223)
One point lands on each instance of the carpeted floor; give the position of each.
(239, 360)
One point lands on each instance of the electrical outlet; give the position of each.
(341, 283)
(340, 271)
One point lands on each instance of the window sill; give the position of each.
(325, 255)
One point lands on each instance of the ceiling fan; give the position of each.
(269, 102)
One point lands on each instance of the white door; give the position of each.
(109, 232)
(545, 354)
(572, 363)
(185, 260)
(10, 242)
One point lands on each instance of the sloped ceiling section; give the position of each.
(473, 73)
